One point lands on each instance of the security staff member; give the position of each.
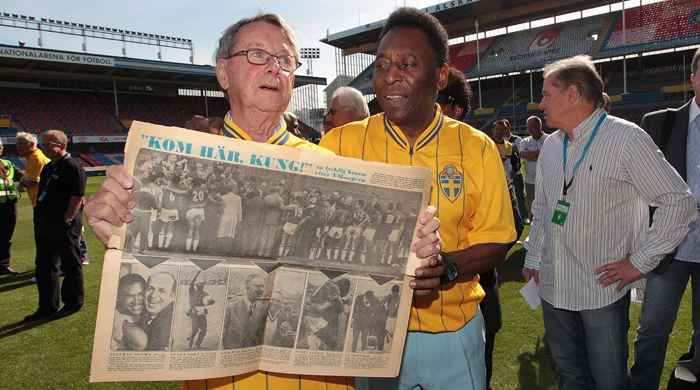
(61, 191)
(8, 213)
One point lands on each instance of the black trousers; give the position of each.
(8, 220)
(58, 248)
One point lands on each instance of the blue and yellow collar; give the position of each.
(232, 130)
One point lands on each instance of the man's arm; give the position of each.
(531, 155)
(536, 240)
(479, 258)
(73, 207)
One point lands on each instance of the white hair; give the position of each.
(31, 138)
(353, 97)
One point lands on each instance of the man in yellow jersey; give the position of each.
(256, 59)
(26, 146)
(445, 343)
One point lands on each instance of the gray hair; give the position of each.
(31, 138)
(534, 118)
(230, 36)
(353, 97)
(580, 72)
(58, 135)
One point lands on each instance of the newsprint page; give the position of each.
(245, 256)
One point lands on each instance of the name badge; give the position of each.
(561, 211)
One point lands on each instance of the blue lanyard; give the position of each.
(583, 154)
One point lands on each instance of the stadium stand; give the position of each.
(161, 110)
(531, 48)
(74, 113)
(658, 24)
(463, 55)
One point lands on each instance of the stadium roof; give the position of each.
(458, 17)
(39, 62)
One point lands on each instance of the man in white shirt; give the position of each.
(590, 242)
(530, 152)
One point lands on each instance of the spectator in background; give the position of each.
(455, 98)
(518, 178)
(508, 151)
(591, 242)
(61, 188)
(8, 213)
(35, 160)
(292, 123)
(663, 292)
(327, 125)
(348, 105)
(530, 152)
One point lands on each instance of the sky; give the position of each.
(311, 20)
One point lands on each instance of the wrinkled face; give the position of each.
(131, 298)
(260, 88)
(24, 147)
(159, 292)
(554, 104)
(406, 79)
(340, 114)
(534, 128)
(255, 289)
(499, 132)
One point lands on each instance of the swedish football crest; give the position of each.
(451, 182)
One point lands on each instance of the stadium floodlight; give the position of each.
(310, 52)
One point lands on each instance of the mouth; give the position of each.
(394, 97)
(269, 88)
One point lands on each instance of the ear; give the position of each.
(221, 65)
(443, 74)
(572, 94)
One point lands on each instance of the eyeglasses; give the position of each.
(333, 111)
(286, 62)
(443, 98)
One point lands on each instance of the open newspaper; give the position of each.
(245, 256)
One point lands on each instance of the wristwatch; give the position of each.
(451, 271)
(68, 221)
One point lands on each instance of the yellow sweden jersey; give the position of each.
(261, 380)
(469, 191)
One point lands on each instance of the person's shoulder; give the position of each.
(301, 143)
(466, 131)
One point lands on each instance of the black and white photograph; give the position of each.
(374, 317)
(256, 257)
(199, 311)
(144, 308)
(200, 207)
(325, 316)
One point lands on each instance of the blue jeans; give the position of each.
(662, 297)
(589, 347)
(448, 360)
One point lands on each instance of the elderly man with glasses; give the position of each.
(259, 91)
